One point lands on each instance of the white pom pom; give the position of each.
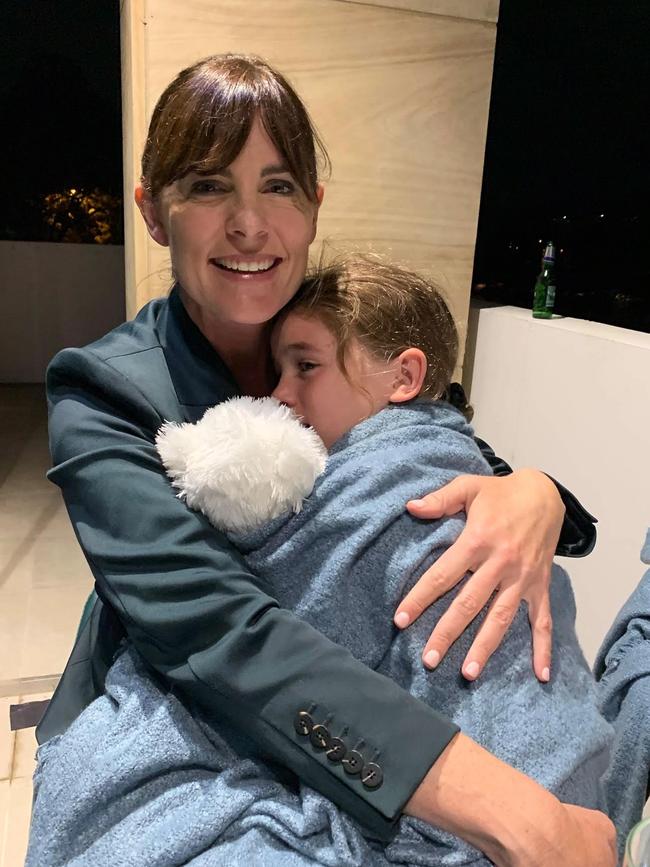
(245, 462)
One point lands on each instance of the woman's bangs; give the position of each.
(215, 141)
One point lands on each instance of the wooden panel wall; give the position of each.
(480, 10)
(400, 96)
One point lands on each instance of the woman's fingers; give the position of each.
(470, 600)
(497, 622)
(513, 524)
(541, 622)
(452, 498)
(445, 573)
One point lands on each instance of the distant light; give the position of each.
(540, 241)
(564, 217)
(561, 249)
(72, 192)
(601, 216)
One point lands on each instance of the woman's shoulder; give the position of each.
(124, 368)
(135, 335)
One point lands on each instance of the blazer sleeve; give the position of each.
(578, 534)
(204, 622)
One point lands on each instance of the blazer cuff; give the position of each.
(578, 535)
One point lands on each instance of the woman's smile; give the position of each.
(247, 269)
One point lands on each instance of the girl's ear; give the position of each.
(150, 215)
(410, 370)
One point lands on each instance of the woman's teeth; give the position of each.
(264, 265)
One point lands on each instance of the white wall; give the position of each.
(572, 398)
(52, 296)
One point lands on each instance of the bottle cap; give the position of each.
(549, 252)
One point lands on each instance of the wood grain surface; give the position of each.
(479, 10)
(401, 99)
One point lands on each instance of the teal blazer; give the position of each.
(171, 584)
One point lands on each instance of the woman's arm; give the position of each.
(505, 814)
(578, 534)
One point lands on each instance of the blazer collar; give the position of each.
(200, 377)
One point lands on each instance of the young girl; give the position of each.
(364, 354)
(361, 336)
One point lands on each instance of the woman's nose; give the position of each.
(246, 220)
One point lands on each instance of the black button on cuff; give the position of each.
(303, 723)
(336, 750)
(320, 737)
(372, 775)
(352, 762)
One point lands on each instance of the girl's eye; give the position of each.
(282, 188)
(306, 366)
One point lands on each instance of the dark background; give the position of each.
(60, 106)
(568, 136)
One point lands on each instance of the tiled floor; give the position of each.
(44, 582)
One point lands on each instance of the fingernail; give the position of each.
(402, 619)
(432, 658)
(472, 670)
(546, 675)
(416, 502)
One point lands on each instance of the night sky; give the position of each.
(570, 115)
(59, 101)
(569, 130)
(569, 136)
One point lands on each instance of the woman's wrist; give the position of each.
(497, 809)
(545, 484)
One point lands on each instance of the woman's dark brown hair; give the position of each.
(387, 309)
(203, 119)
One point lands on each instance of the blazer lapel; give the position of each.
(199, 376)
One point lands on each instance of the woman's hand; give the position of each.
(513, 526)
(573, 837)
(590, 839)
(506, 815)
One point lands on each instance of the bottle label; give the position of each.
(550, 296)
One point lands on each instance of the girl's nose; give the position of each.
(282, 392)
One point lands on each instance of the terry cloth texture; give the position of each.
(137, 781)
(622, 668)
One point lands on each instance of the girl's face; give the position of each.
(238, 238)
(314, 386)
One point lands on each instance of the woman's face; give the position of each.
(238, 238)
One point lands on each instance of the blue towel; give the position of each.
(623, 670)
(136, 780)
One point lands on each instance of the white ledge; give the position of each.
(587, 327)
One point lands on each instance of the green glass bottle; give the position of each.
(544, 297)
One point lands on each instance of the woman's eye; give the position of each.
(306, 366)
(283, 188)
(206, 188)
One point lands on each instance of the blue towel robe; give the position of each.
(138, 780)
